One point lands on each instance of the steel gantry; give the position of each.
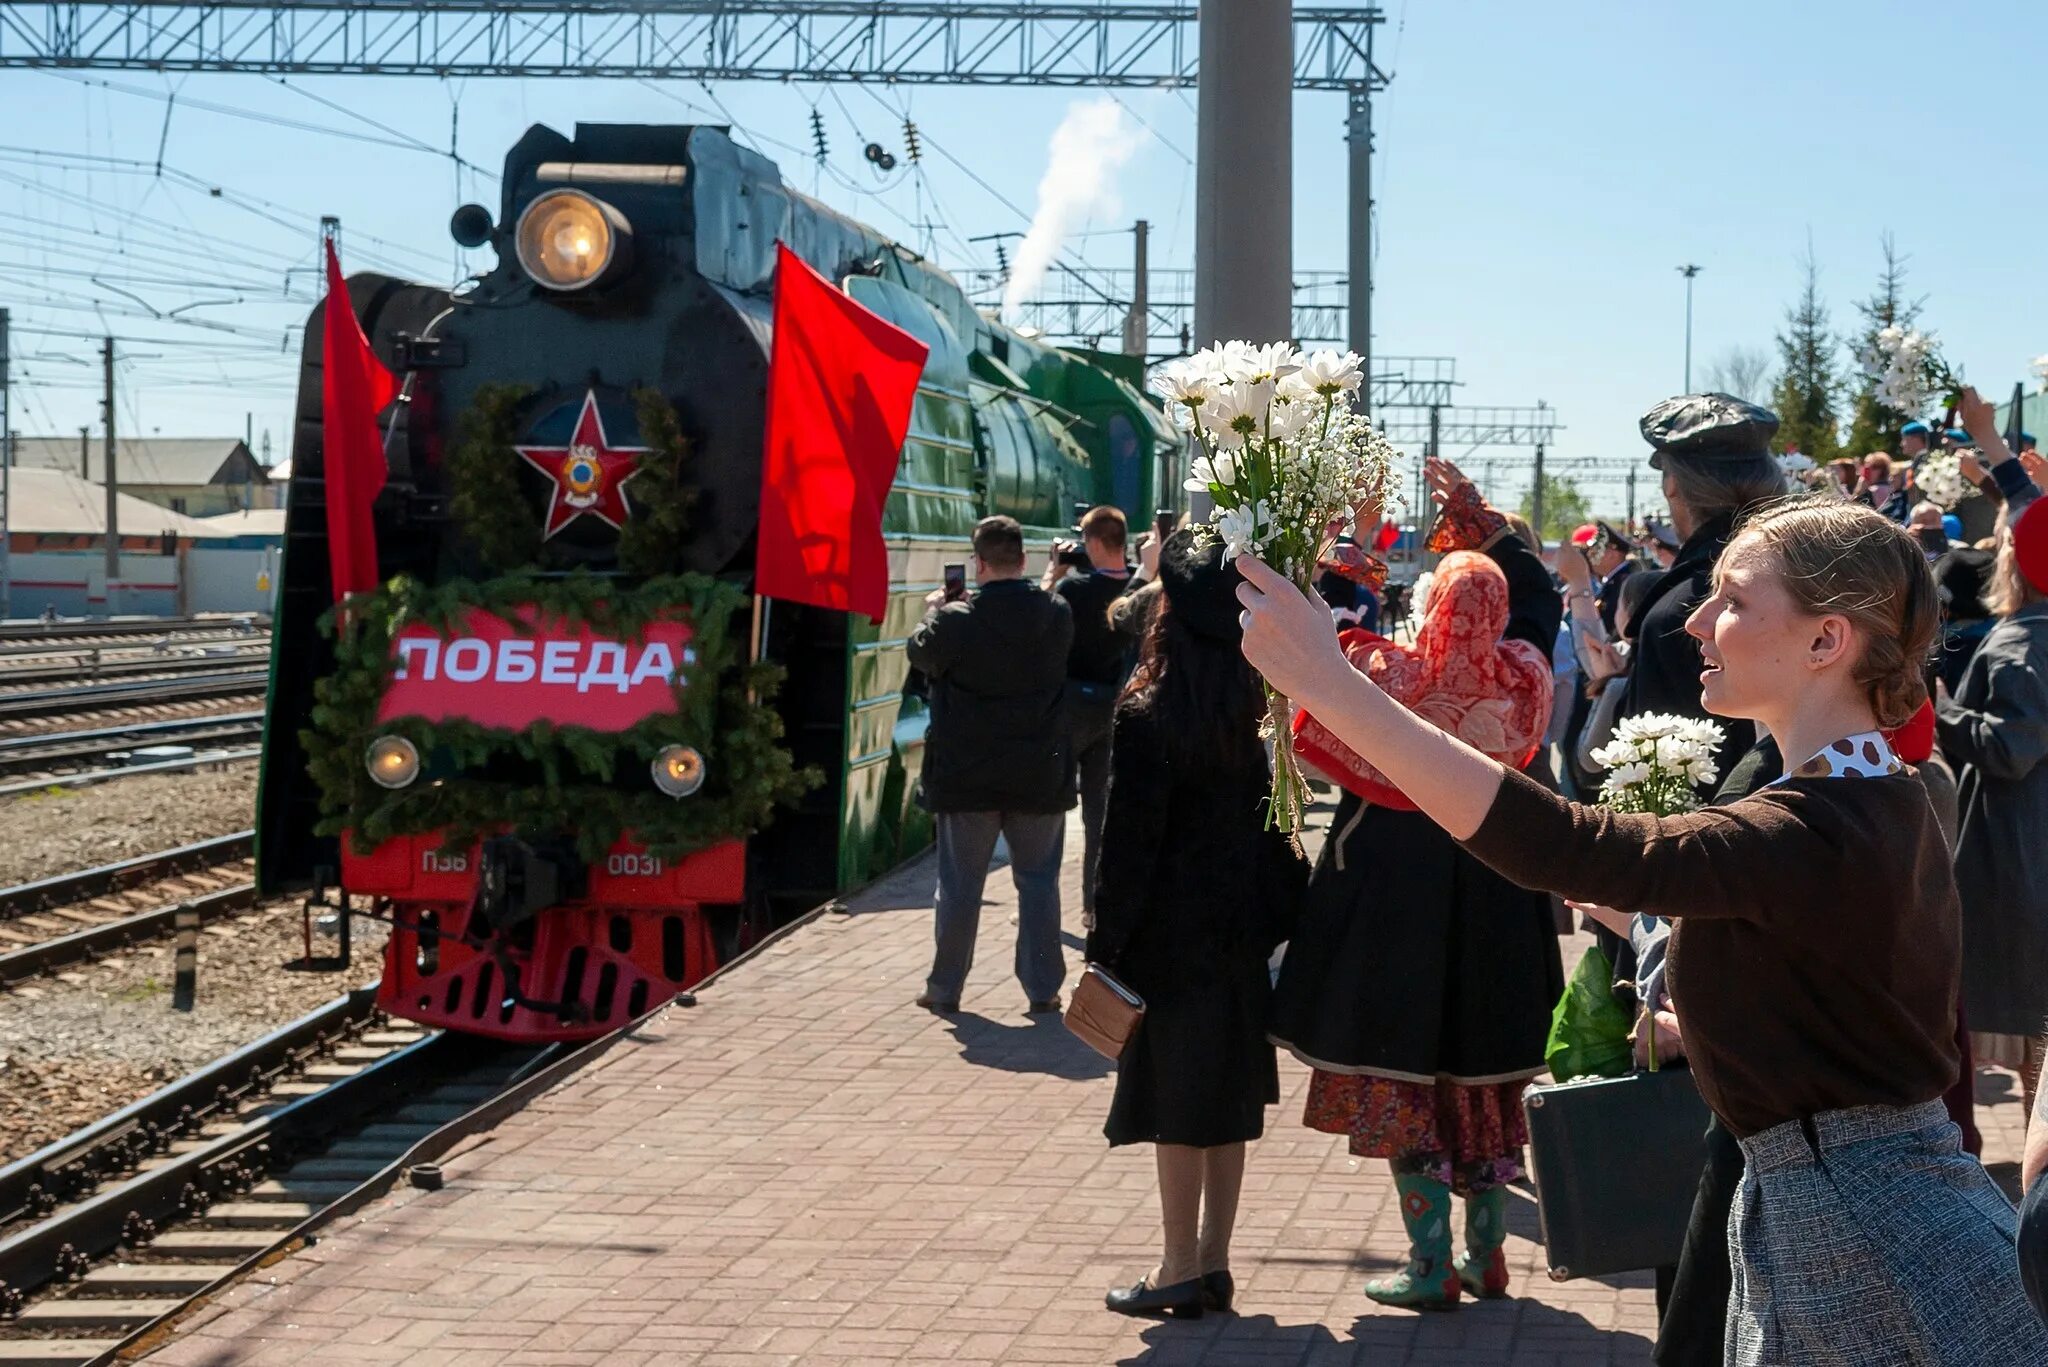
(903, 41)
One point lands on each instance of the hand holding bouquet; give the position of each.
(1284, 457)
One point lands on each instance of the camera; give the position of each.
(1074, 554)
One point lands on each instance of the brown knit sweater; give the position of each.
(1816, 958)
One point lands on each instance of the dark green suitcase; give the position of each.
(1616, 1161)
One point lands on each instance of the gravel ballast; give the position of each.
(63, 830)
(88, 1042)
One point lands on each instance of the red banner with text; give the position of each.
(514, 673)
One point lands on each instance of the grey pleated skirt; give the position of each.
(1868, 1238)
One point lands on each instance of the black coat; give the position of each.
(1995, 733)
(1664, 669)
(1191, 895)
(1413, 959)
(997, 665)
(1608, 599)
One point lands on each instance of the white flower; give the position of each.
(1627, 775)
(1648, 726)
(1236, 414)
(2041, 371)
(1940, 477)
(1225, 361)
(1181, 382)
(1329, 373)
(1242, 529)
(1221, 469)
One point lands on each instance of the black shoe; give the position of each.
(944, 1008)
(1181, 1301)
(1217, 1289)
(1049, 1007)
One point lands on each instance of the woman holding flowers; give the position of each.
(1420, 983)
(1815, 960)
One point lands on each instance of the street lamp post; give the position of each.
(1688, 271)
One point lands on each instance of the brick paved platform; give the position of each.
(806, 1169)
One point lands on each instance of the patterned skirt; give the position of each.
(1873, 1238)
(1468, 1137)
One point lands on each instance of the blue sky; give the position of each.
(1542, 171)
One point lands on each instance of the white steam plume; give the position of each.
(1092, 141)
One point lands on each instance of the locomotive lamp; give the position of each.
(568, 240)
(678, 770)
(392, 762)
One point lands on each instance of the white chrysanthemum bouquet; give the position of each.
(1940, 476)
(1283, 455)
(1908, 369)
(1658, 764)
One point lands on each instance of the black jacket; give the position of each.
(1664, 670)
(997, 663)
(1608, 599)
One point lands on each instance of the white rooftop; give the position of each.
(58, 503)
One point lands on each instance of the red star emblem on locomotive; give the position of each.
(589, 474)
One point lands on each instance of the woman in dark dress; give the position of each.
(1420, 983)
(1192, 894)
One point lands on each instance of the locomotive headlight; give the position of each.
(567, 240)
(678, 770)
(392, 762)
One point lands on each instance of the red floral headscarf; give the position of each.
(1492, 694)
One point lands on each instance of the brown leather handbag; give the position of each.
(1104, 1013)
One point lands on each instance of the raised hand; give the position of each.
(1574, 568)
(2036, 466)
(1443, 478)
(1289, 637)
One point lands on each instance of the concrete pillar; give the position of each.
(1244, 172)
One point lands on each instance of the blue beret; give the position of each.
(2026, 436)
(1959, 436)
(1914, 429)
(1952, 526)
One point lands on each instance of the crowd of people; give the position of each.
(1854, 917)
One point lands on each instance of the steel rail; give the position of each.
(151, 626)
(91, 942)
(53, 753)
(44, 893)
(238, 683)
(89, 777)
(73, 672)
(32, 1186)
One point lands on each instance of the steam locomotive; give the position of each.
(546, 749)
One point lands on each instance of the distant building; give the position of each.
(170, 564)
(197, 476)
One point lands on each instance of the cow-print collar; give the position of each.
(1867, 755)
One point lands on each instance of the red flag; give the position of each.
(1387, 535)
(840, 385)
(354, 388)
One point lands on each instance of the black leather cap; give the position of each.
(1709, 427)
(1201, 587)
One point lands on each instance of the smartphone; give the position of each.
(1162, 523)
(956, 582)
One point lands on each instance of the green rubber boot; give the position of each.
(1429, 1282)
(1483, 1266)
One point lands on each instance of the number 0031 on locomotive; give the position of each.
(561, 747)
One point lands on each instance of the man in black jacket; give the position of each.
(997, 761)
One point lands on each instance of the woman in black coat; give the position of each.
(1192, 894)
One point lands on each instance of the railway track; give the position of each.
(219, 684)
(54, 923)
(110, 1234)
(17, 638)
(80, 757)
(87, 669)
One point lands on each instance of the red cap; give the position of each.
(1914, 741)
(1586, 535)
(2030, 544)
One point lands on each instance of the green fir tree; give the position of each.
(1872, 426)
(1564, 508)
(1808, 378)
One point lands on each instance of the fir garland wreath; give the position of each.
(496, 517)
(564, 775)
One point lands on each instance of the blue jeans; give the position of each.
(967, 841)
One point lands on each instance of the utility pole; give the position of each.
(1244, 172)
(84, 454)
(1631, 498)
(1536, 495)
(113, 513)
(1688, 271)
(6, 468)
(1358, 141)
(1137, 324)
